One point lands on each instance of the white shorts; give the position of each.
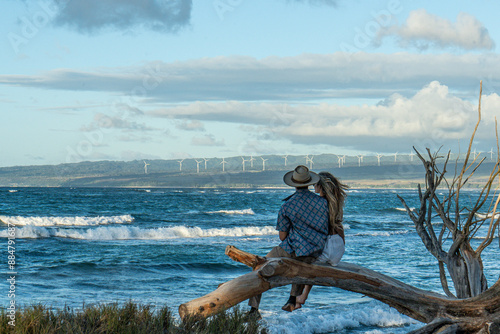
(333, 251)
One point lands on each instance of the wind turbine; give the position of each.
(243, 162)
(251, 161)
(286, 158)
(223, 163)
(311, 162)
(343, 160)
(475, 154)
(491, 154)
(307, 159)
(264, 163)
(146, 167)
(411, 156)
(360, 159)
(180, 164)
(206, 162)
(378, 158)
(395, 156)
(339, 158)
(197, 166)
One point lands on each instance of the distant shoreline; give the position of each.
(115, 175)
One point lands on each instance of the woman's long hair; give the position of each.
(335, 193)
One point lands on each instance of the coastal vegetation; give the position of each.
(121, 319)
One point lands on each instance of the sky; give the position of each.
(91, 80)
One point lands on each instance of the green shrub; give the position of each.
(121, 319)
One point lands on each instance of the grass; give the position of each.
(122, 319)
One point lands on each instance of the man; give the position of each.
(303, 228)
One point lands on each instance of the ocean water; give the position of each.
(166, 246)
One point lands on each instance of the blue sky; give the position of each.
(169, 79)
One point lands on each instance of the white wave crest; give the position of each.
(404, 210)
(306, 321)
(489, 215)
(66, 221)
(235, 212)
(132, 232)
(380, 234)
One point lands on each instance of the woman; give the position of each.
(335, 192)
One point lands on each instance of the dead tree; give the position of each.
(462, 261)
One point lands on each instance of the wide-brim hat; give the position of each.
(301, 176)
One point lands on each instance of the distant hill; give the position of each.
(393, 173)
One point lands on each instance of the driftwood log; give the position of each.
(442, 314)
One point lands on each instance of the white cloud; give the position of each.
(208, 140)
(424, 30)
(103, 121)
(298, 78)
(430, 118)
(190, 125)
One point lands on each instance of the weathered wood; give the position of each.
(464, 264)
(227, 295)
(441, 312)
(246, 258)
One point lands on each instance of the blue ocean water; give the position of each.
(166, 246)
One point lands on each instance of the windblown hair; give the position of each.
(335, 193)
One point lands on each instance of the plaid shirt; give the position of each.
(305, 217)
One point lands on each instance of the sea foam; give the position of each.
(132, 232)
(66, 221)
(314, 320)
(235, 212)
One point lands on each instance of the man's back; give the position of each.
(305, 217)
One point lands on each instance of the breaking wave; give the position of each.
(66, 221)
(380, 233)
(370, 314)
(404, 209)
(132, 232)
(235, 212)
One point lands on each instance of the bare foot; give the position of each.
(300, 300)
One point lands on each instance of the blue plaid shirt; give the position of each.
(305, 217)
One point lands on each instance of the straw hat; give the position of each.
(300, 177)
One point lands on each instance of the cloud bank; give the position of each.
(430, 118)
(424, 30)
(299, 78)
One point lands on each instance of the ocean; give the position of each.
(84, 246)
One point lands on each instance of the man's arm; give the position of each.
(283, 225)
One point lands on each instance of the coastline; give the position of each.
(395, 176)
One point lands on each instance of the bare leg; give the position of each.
(277, 251)
(300, 300)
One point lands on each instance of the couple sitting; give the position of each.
(310, 227)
